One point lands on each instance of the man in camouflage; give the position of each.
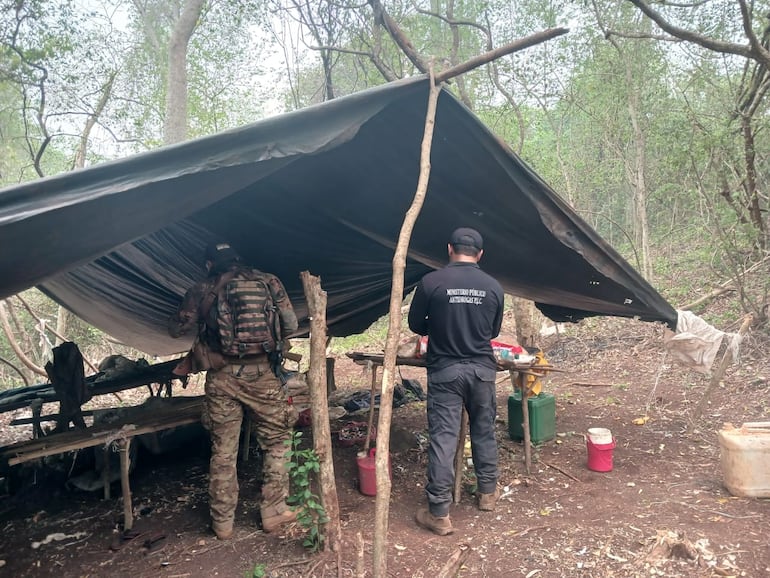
(238, 384)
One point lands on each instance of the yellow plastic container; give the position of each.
(745, 458)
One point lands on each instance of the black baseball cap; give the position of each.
(467, 236)
(221, 253)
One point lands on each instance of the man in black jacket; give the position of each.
(460, 308)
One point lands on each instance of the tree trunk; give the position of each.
(15, 345)
(319, 407)
(527, 322)
(638, 180)
(175, 128)
(80, 154)
(62, 319)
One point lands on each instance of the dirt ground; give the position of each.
(662, 511)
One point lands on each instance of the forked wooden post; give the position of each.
(382, 503)
(399, 265)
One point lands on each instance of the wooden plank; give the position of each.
(177, 414)
(22, 397)
(377, 359)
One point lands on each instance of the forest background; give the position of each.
(650, 119)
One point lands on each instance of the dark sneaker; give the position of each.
(440, 525)
(272, 523)
(487, 502)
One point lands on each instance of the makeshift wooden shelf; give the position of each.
(376, 360)
(531, 367)
(159, 373)
(137, 421)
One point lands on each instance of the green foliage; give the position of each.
(303, 464)
(259, 571)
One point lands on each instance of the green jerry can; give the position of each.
(542, 417)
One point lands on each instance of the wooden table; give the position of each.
(137, 421)
(513, 367)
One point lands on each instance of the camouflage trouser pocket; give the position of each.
(292, 415)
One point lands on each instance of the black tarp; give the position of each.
(323, 189)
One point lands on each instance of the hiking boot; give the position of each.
(440, 525)
(223, 531)
(487, 501)
(272, 523)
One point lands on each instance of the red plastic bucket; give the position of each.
(367, 475)
(600, 456)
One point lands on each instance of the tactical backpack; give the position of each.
(246, 315)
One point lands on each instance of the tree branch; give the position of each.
(491, 55)
(16, 369)
(398, 36)
(15, 345)
(51, 329)
(694, 37)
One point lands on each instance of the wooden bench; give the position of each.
(138, 420)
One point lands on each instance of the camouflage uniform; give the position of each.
(229, 392)
(249, 385)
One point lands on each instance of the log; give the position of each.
(319, 408)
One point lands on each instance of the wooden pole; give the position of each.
(106, 470)
(370, 424)
(460, 458)
(515, 46)
(727, 358)
(124, 445)
(319, 408)
(382, 502)
(525, 427)
(517, 381)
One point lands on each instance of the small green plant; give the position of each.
(259, 571)
(302, 464)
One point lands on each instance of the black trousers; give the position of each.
(449, 390)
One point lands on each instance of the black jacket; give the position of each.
(460, 309)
